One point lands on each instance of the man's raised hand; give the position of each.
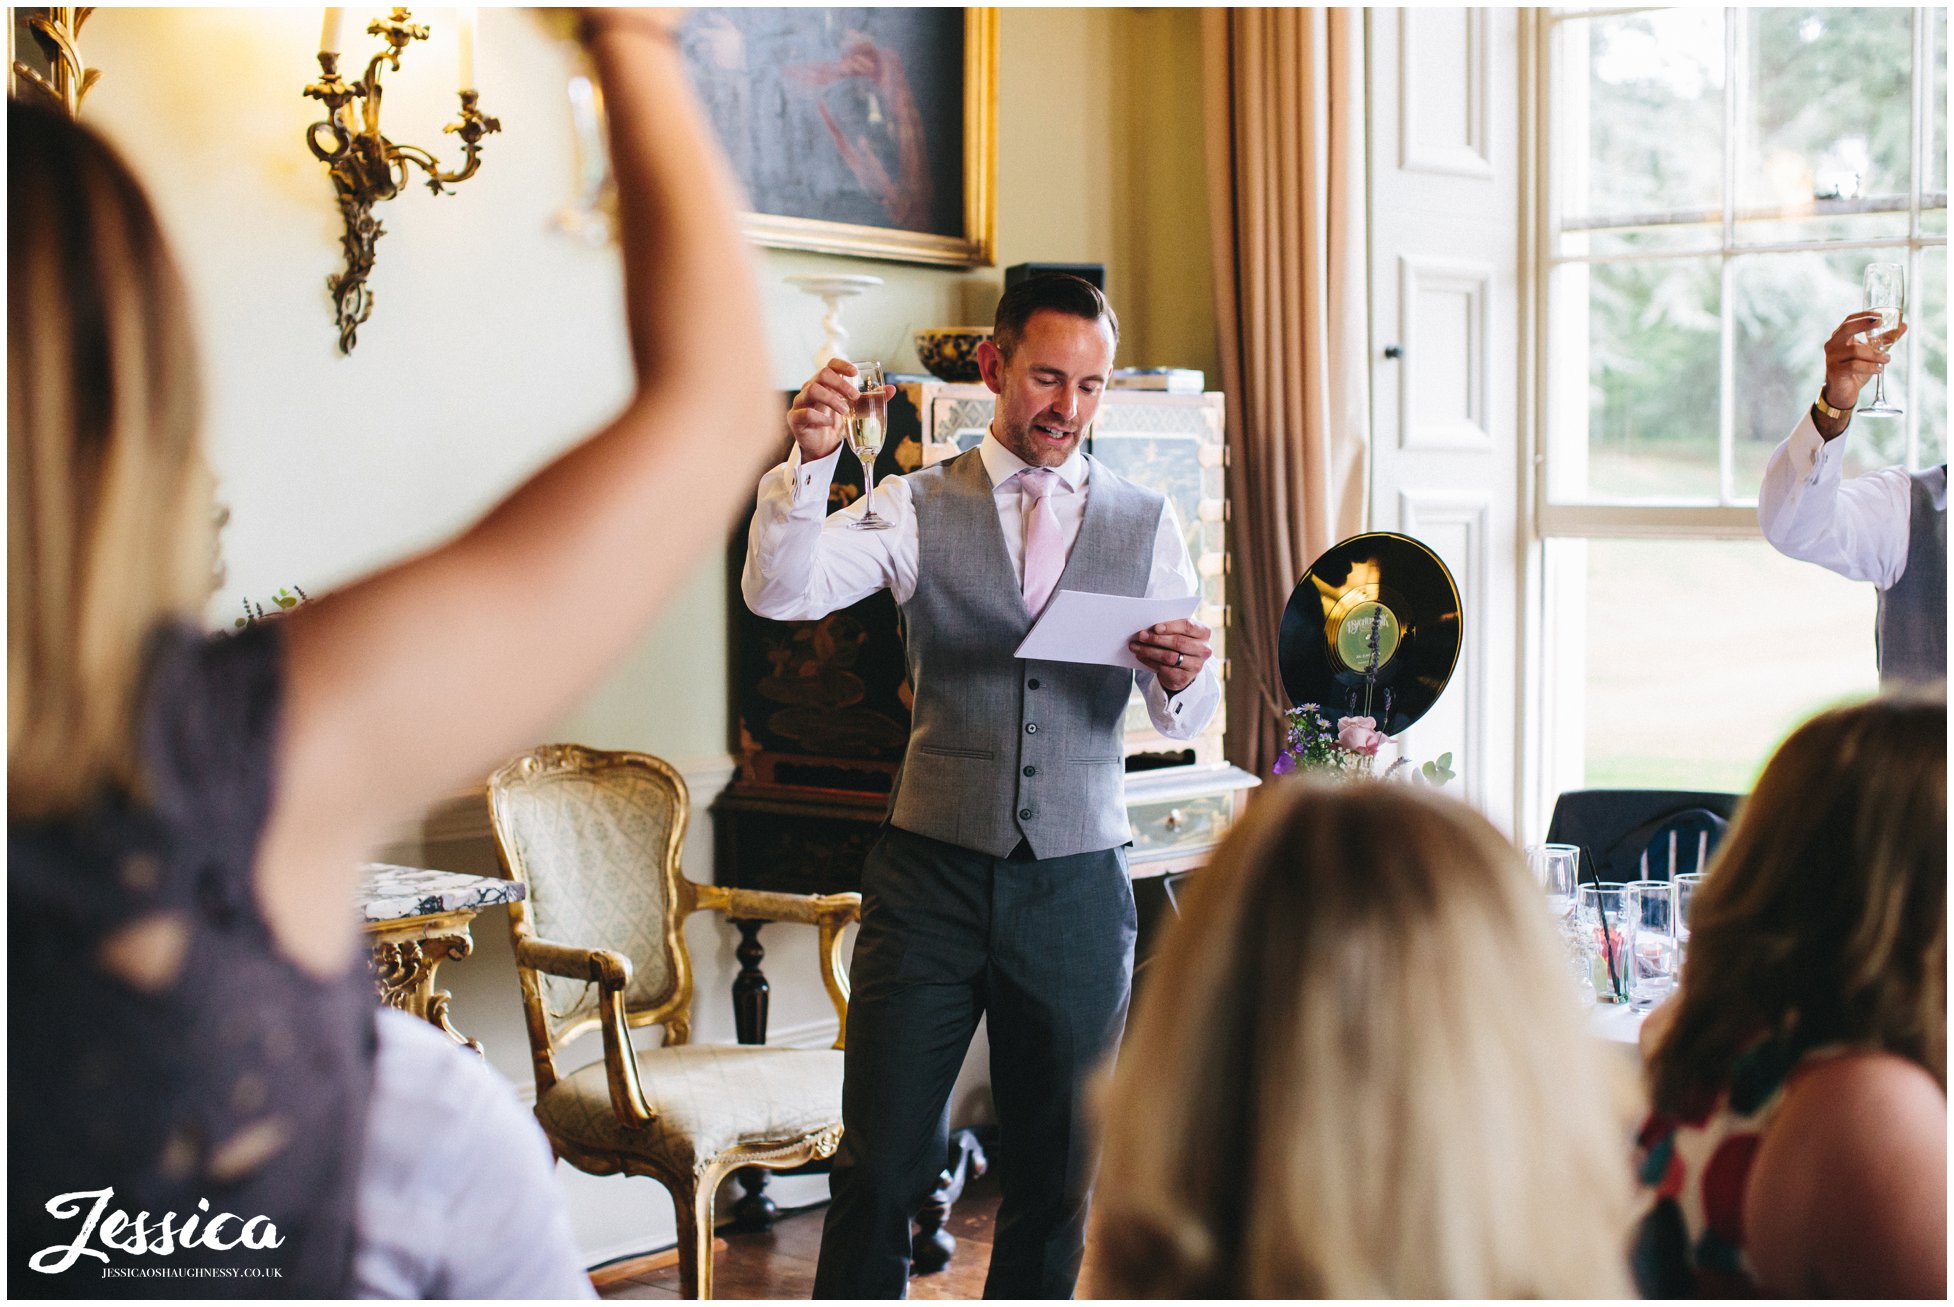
(818, 419)
(1850, 362)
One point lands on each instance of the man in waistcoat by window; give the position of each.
(1888, 526)
(999, 884)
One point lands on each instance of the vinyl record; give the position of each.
(1372, 629)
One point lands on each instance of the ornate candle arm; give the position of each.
(368, 168)
(57, 32)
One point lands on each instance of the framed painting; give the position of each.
(863, 131)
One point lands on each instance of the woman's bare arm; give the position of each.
(1848, 1195)
(411, 682)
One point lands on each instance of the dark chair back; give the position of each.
(1628, 835)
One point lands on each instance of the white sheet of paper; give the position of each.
(1079, 626)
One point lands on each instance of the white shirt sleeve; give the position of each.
(803, 562)
(1181, 716)
(1857, 528)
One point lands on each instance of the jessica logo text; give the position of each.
(124, 1233)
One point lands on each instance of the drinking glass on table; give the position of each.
(1557, 868)
(1886, 295)
(1605, 914)
(1654, 950)
(1686, 886)
(868, 419)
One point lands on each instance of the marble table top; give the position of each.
(390, 893)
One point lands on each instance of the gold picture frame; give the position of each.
(976, 245)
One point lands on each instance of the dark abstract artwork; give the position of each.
(842, 116)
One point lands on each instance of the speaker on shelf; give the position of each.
(1092, 272)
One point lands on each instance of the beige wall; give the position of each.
(494, 343)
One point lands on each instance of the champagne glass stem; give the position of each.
(868, 485)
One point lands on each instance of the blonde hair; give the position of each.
(1826, 909)
(1357, 1068)
(107, 498)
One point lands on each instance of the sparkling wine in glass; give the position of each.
(868, 420)
(1886, 295)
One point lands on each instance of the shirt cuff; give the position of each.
(1811, 452)
(812, 479)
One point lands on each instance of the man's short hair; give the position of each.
(1058, 291)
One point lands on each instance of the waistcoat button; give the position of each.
(1031, 771)
(1031, 728)
(1032, 684)
(1024, 814)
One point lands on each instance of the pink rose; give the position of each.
(1360, 735)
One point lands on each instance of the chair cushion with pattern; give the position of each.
(708, 1098)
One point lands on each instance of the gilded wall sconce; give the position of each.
(57, 33)
(366, 166)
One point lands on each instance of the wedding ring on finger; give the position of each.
(1179, 658)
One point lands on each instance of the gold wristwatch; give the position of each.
(1836, 414)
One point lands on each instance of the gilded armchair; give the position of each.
(595, 836)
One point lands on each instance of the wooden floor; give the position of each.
(780, 1263)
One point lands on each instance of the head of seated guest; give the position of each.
(1799, 1139)
(1358, 1069)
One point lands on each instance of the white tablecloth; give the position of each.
(1617, 1021)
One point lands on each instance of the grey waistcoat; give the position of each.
(999, 748)
(1911, 637)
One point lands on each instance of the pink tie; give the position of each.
(1044, 548)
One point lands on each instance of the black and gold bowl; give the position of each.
(950, 353)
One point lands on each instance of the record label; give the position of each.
(1367, 637)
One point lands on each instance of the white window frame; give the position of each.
(1734, 515)
(1553, 748)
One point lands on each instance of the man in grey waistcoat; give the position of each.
(998, 887)
(1887, 526)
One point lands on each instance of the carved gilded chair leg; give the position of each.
(702, 1197)
(686, 1217)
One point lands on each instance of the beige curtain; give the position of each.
(1285, 122)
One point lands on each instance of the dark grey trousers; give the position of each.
(948, 935)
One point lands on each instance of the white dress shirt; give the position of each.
(1858, 528)
(803, 563)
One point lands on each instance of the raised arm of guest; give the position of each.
(1807, 509)
(418, 679)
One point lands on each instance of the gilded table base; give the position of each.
(406, 954)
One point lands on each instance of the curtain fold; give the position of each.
(1284, 93)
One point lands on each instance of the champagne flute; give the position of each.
(1886, 295)
(868, 419)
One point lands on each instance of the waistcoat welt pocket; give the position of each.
(985, 754)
